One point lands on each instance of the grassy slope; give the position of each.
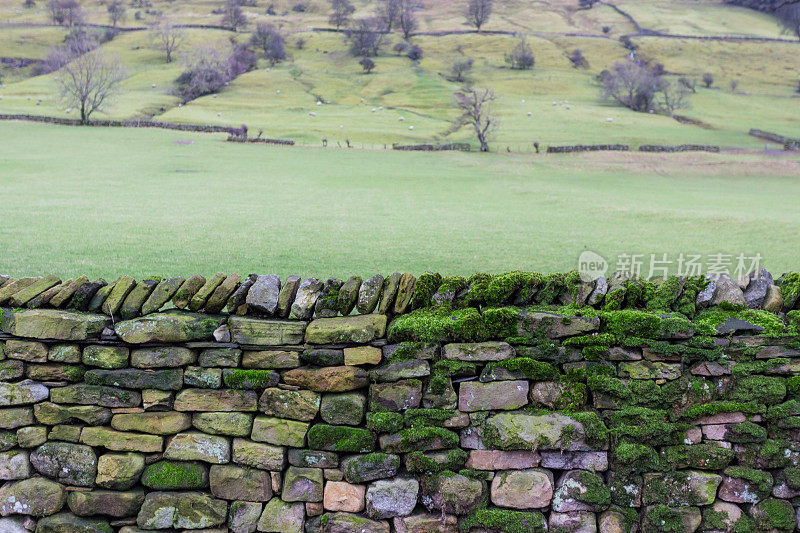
(421, 94)
(102, 201)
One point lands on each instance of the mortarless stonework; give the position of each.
(493, 403)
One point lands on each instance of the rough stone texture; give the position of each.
(34, 496)
(483, 351)
(387, 498)
(499, 460)
(53, 324)
(342, 496)
(253, 331)
(372, 427)
(520, 431)
(258, 455)
(522, 489)
(105, 502)
(302, 485)
(235, 483)
(71, 464)
(308, 292)
(287, 296)
(343, 409)
(355, 329)
(195, 446)
(187, 510)
(282, 517)
(279, 432)
(369, 294)
(296, 405)
(171, 326)
(119, 471)
(500, 395)
(329, 379)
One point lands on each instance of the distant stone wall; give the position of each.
(678, 148)
(462, 147)
(516, 402)
(587, 148)
(121, 123)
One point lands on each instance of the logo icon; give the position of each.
(591, 266)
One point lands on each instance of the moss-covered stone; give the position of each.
(340, 439)
(175, 475)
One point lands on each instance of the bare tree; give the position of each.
(270, 40)
(671, 98)
(388, 12)
(789, 17)
(89, 81)
(478, 12)
(476, 110)
(233, 16)
(407, 17)
(116, 12)
(689, 83)
(633, 85)
(341, 11)
(65, 12)
(167, 38)
(366, 37)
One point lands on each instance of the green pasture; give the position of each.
(153, 202)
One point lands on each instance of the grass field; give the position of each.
(104, 201)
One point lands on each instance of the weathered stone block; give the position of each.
(119, 471)
(35, 496)
(297, 405)
(369, 467)
(216, 400)
(343, 409)
(71, 464)
(162, 357)
(282, 517)
(258, 455)
(279, 432)
(171, 326)
(134, 378)
(105, 502)
(53, 324)
(235, 483)
(522, 489)
(387, 498)
(396, 396)
(302, 485)
(359, 329)
(182, 510)
(481, 351)
(498, 395)
(328, 379)
(271, 359)
(253, 331)
(119, 441)
(95, 395)
(195, 446)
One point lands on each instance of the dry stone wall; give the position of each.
(496, 403)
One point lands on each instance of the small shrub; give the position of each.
(367, 64)
(708, 79)
(414, 53)
(521, 56)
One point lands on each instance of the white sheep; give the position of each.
(411, 127)
(311, 113)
